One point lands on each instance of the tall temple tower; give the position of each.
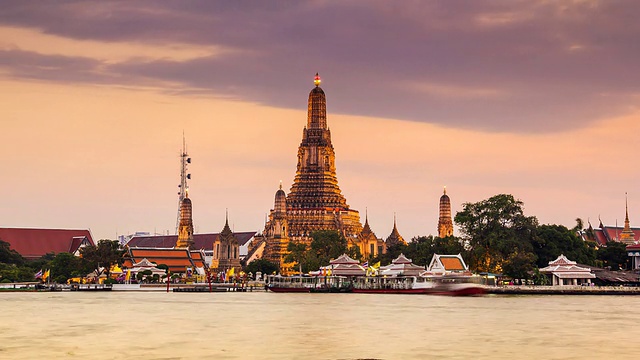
(315, 201)
(185, 160)
(627, 236)
(445, 224)
(185, 230)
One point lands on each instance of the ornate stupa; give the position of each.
(445, 224)
(627, 236)
(315, 201)
(185, 228)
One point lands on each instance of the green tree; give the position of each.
(614, 255)
(103, 256)
(325, 245)
(555, 240)
(497, 233)
(65, 266)
(421, 249)
(392, 252)
(8, 255)
(263, 265)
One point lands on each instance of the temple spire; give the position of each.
(627, 236)
(626, 209)
(317, 80)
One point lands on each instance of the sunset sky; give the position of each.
(539, 99)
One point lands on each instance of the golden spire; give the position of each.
(280, 184)
(626, 208)
(316, 80)
(445, 189)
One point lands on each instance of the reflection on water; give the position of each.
(260, 325)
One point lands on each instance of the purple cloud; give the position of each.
(501, 66)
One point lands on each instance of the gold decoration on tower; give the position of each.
(445, 224)
(627, 236)
(185, 229)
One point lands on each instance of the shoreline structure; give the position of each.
(259, 286)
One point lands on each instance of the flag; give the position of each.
(128, 276)
(232, 271)
(38, 275)
(46, 275)
(376, 265)
(365, 265)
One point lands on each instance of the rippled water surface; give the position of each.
(258, 325)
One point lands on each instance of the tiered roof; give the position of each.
(401, 266)
(35, 243)
(178, 260)
(564, 268)
(344, 266)
(395, 237)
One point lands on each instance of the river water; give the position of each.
(259, 325)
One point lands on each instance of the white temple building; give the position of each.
(401, 266)
(565, 272)
(441, 265)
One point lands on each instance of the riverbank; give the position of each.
(563, 290)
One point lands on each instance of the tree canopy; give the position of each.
(498, 236)
(103, 256)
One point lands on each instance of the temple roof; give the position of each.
(178, 260)
(395, 237)
(446, 263)
(344, 259)
(401, 259)
(35, 243)
(202, 241)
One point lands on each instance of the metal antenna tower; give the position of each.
(185, 160)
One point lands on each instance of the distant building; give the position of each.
(605, 233)
(226, 250)
(369, 244)
(445, 223)
(34, 243)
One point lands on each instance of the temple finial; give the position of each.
(316, 80)
(445, 189)
(626, 207)
(280, 184)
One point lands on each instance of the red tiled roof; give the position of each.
(202, 241)
(176, 259)
(451, 263)
(613, 232)
(601, 239)
(35, 243)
